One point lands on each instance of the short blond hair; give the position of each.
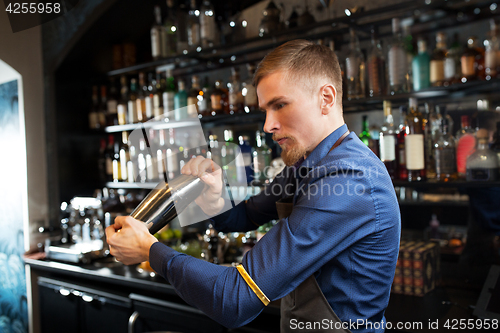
(302, 60)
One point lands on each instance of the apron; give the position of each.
(307, 304)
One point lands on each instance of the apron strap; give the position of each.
(339, 141)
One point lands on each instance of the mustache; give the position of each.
(277, 138)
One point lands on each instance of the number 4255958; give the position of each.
(32, 8)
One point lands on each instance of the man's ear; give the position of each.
(328, 97)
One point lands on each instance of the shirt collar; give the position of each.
(322, 148)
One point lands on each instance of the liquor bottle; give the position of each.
(492, 52)
(411, 49)
(235, 95)
(465, 142)
(141, 161)
(149, 97)
(208, 27)
(157, 96)
(112, 104)
(495, 145)
(124, 156)
(181, 23)
(355, 69)
(374, 131)
(376, 68)
(150, 156)
(180, 102)
(170, 29)
(108, 157)
(193, 30)
(141, 98)
(217, 99)
(249, 93)
(169, 95)
(261, 158)
(214, 151)
(173, 154)
(121, 109)
(117, 172)
(445, 154)
(192, 99)
(452, 66)
(421, 67)
(437, 61)
(228, 156)
(133, 117)
(204, 103)
(472, 61)
(244, 170)
(401, 151)
(482, 164)
(387, 141)
(158, 37)
(397, 60)
(365, 132)
(414, 143)
(432, 126)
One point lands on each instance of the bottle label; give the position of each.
(216, 102)
(465, 147)
(157, 109)
(468, 68)
(387, 148)
(437, 70)
(491, 60)
(122, 114)
(109, 166)
(414, 148)
(397, 66)
(203, 105)
(132, 112)
(192, 106)
(149, 107)
(445, 161)
(449, 68)
(168, 101)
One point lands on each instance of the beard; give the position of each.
(293, 151)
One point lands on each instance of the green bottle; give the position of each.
(421, 67)
(365, 132)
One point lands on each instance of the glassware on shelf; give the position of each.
(141, 99)
(170, 30)
(376, 68)
(388, 140)
(355, 69)
(261, 159)
(235, 97)
(158, 36)
(365, 132)
(401, 153)
(482, 165)
(421, 67)
(472, 61)
(465, 142)
(249, 93)
(180, 102)
(192, 99)
(432, 126)
(217, 99)
(133, 116)
(397, 60)
(208, 26)
(414, 143)
(169, 93)
(438, 58)
(452, 65)
(492, 52)
(193, 26)
(445, 154)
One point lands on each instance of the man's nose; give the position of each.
(271, 125)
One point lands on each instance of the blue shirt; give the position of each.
(344, 229)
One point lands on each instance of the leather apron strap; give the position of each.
(307, 306)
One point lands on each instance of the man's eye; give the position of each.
(280, 106)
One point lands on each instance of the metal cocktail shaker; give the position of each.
(166, 201)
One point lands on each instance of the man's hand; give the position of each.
(129, 240)
(210, 200)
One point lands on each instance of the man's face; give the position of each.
(293, 115)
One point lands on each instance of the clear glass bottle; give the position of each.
(401, 152)
(397, 60)
(173, 155)
(124, 156)
(437, 76)
(452, 66)
(169, 94)
(432, 126)
(492, 52)
(414, 143)
(121, 108)
(170, 30)
(208, 27)
(180, 102)
(244, 171)
(149, 93)
(181, 17)
(261, 158)
(158, 96)
(193, 31)
(482, 164)
(388, 141)
(249, 93)
(141, 99)
(376, 68)
(228, 156)
(465, 142)
(158, 36)
(445, 154)
(421, 67)
(133, 116)
(117, 172)
(355, 69)
(192, 100)
(472, 61)
(235, 94)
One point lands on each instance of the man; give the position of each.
(331, 258)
